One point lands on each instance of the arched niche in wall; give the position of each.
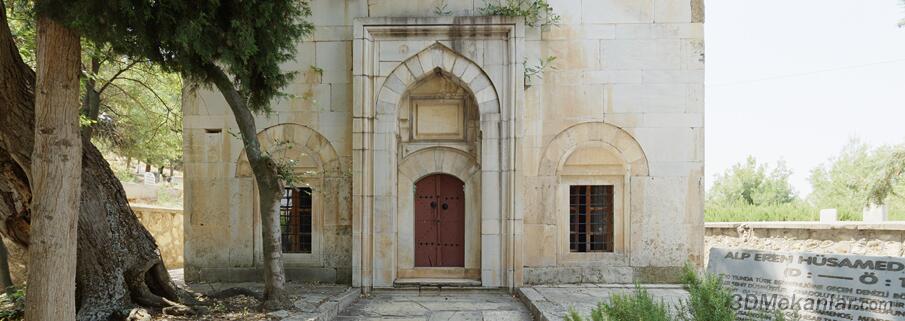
(316, 166)
(591, 166)
(438, 111)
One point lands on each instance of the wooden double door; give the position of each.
(440, 221)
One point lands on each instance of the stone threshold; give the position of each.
(436, 283)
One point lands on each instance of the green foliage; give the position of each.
(536, 12)
(12, 304)
(123, 173)
(844, 181)
(442, 8)
(752, 184)
(537, 70)
(285, 167)
(707, 299)
(797, 210)
(317, 70)
(637, 306)
(84, 121)
(189, 37)
(859, 174)
(890, 177)
(22, 24)
(140, 114)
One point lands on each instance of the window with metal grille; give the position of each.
(591, 218)
(295, 219)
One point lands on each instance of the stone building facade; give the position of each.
(428, 154)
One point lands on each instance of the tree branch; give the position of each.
(149, 88)
(119, 72)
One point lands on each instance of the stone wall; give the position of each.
(628, 84)
(165, 224)
(879, 239)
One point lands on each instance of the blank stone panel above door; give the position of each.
(438, 119)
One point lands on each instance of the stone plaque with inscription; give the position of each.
(824, 287)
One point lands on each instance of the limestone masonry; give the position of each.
(425, 154)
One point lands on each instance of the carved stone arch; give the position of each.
(290, 140)
(434, 58)
(439, 160)
(598, 134)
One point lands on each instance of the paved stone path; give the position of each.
(310, 301)
(433, 305)
(552, 302)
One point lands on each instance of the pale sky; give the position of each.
(795, 79)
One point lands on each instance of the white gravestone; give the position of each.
(828, 215)
(874, 213)
(150, 178)
(820, 287)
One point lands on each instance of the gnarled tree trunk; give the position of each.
(118, 264)
(6, 280)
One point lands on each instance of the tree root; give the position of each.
(231, 292)
(273, 303)
(155, 288)
(138, 314)
(276, 301)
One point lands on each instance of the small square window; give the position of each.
(295, 220)
(591, 218)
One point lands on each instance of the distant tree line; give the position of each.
(858, 176)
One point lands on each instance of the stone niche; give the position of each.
(438, 111)
(591, 153)
(434, 96)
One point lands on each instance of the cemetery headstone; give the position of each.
(875, 214)
(828, 215)
(150, 178)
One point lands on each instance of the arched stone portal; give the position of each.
(445, 108)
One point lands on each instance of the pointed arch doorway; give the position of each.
(440, 221)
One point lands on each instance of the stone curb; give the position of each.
(531, 298)
(330, 309)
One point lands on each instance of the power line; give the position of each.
(807, 73)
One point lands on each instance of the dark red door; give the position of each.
(440, 222)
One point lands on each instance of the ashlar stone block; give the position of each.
(617, 11)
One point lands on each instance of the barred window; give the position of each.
(295, 219)
(591, 218)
